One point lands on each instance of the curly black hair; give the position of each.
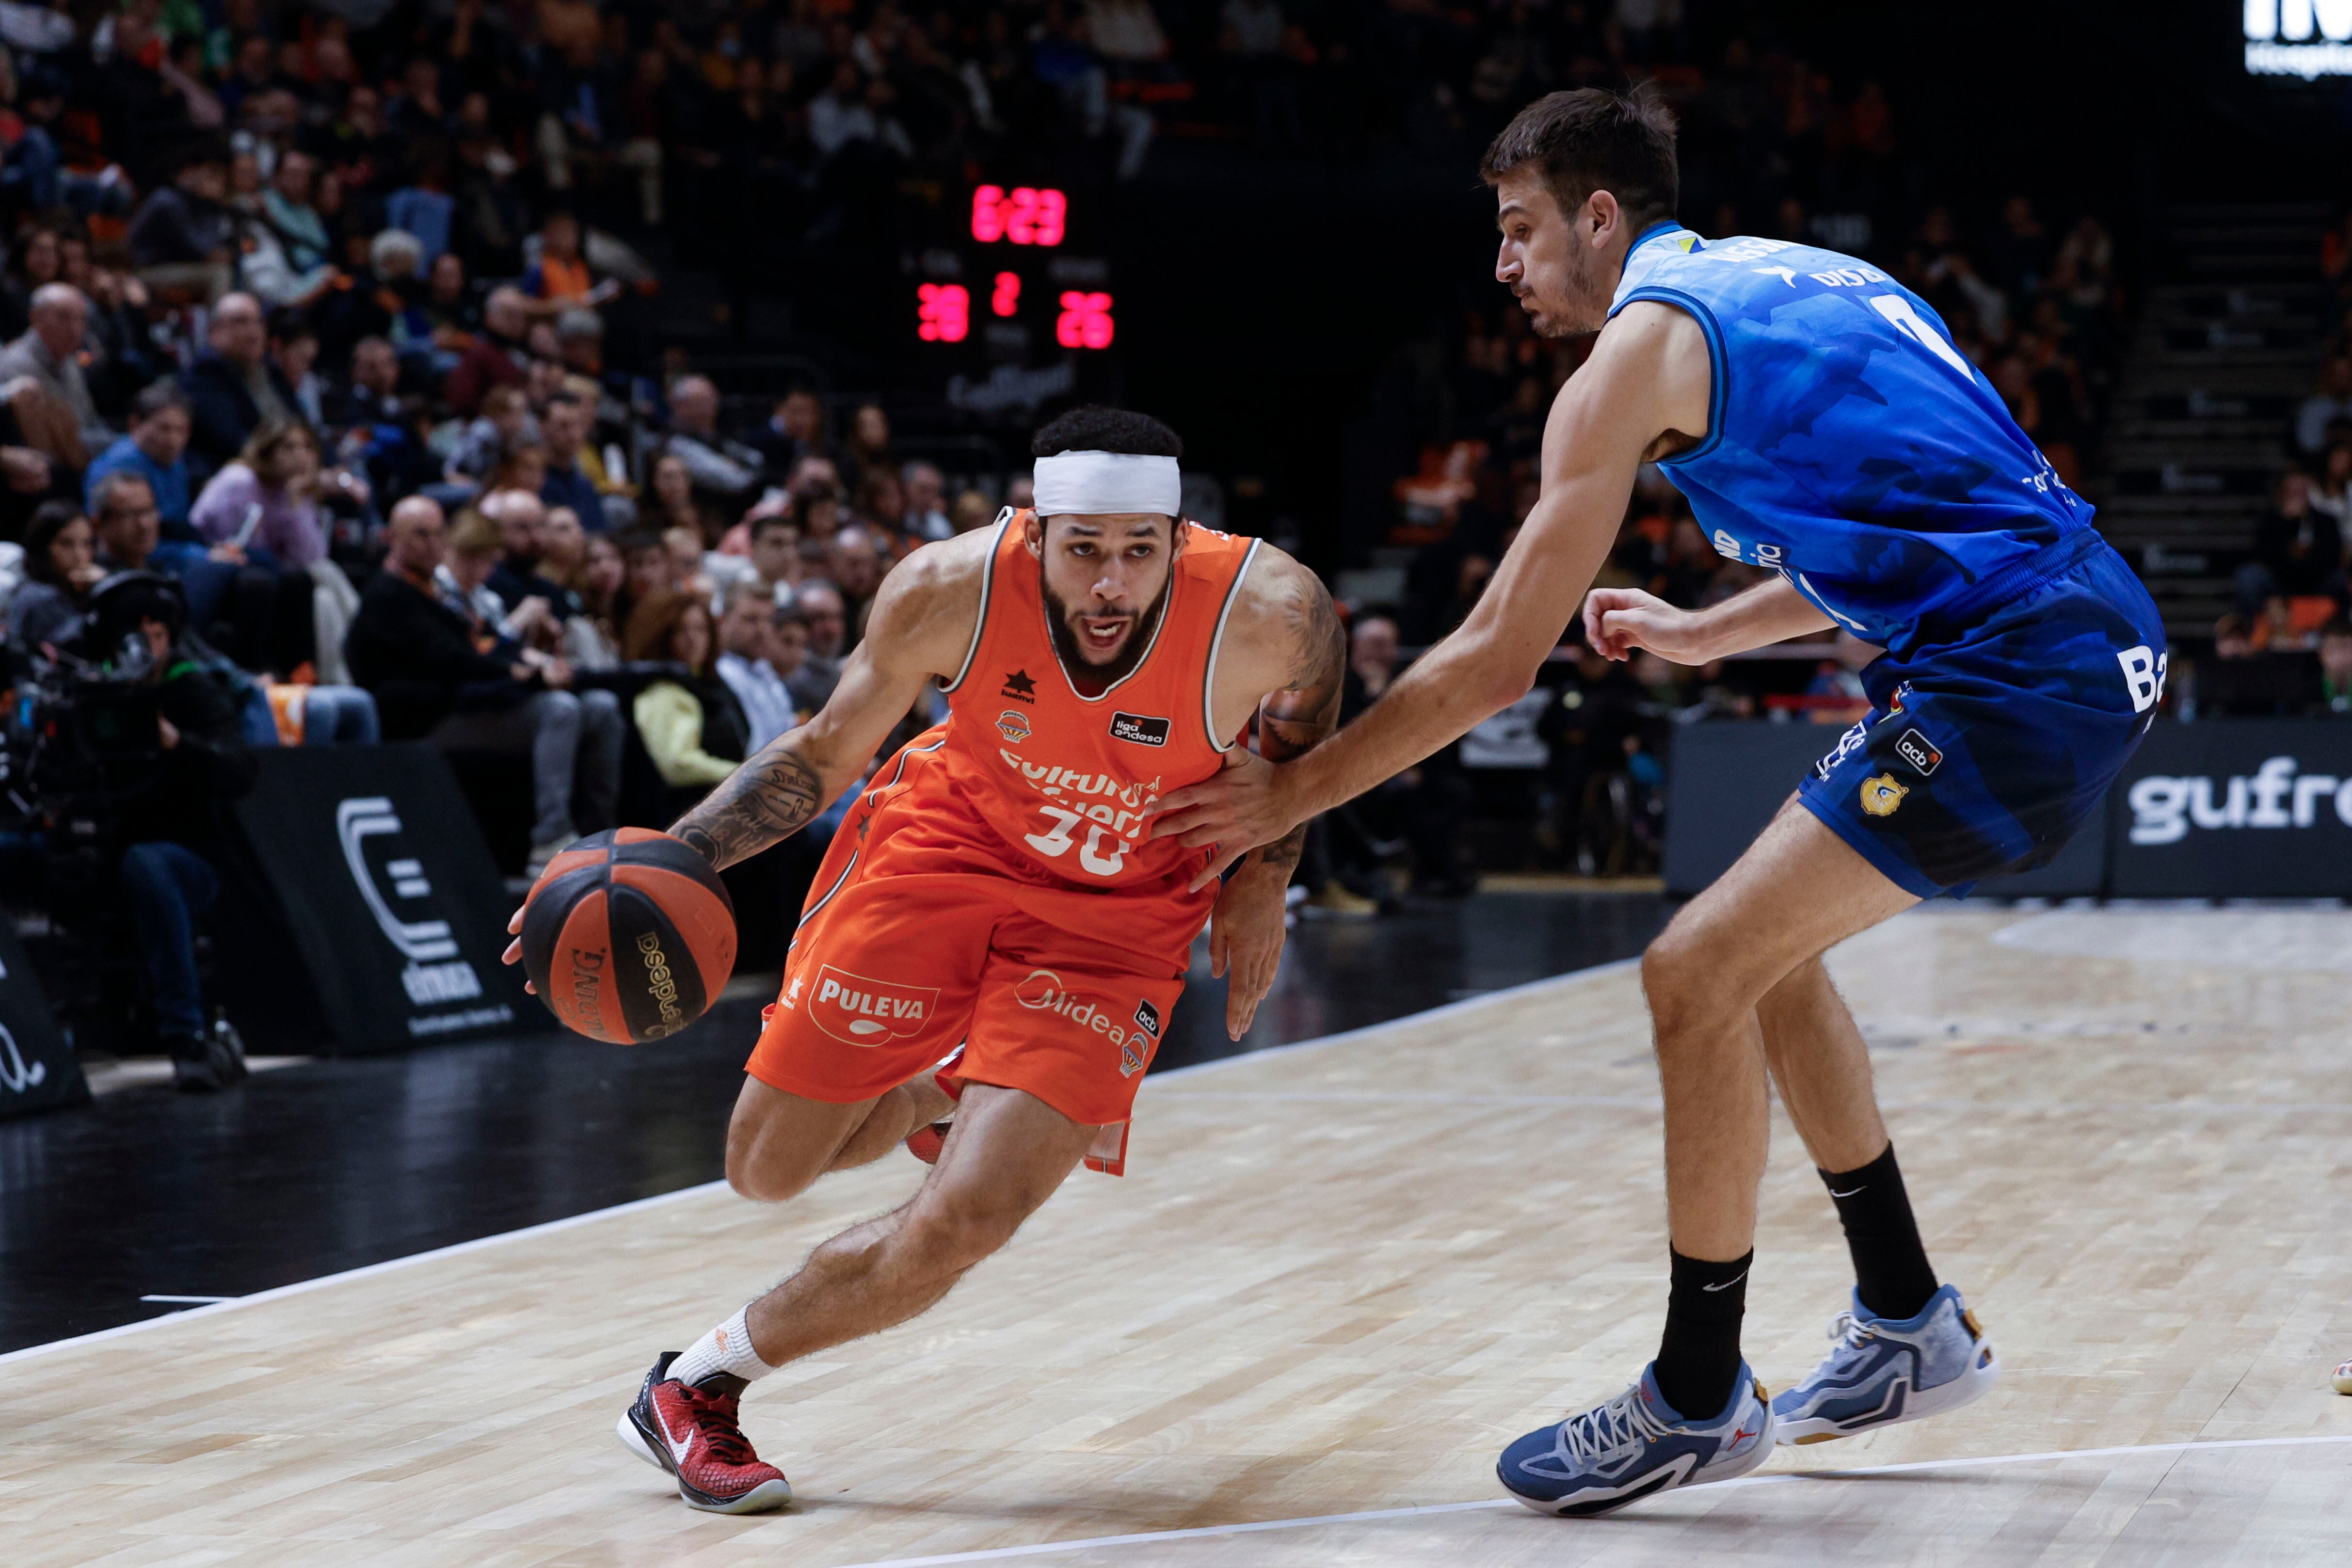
(1095, 428)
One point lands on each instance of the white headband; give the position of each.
(1098, 483)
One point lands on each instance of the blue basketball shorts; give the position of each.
(1986, 752)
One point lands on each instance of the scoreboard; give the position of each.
(1012, 274)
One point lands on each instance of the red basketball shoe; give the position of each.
(689, 1431)
(925, 1142)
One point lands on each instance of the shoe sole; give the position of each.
(1984, 1371)
(765, 1498)
(1592, 1502)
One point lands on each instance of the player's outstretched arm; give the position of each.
(920, 628)
(1285, 657)
(1644, 390)
(1617, 621)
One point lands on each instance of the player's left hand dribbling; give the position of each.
(513, 954)
(1236, 810)
(1246, 936)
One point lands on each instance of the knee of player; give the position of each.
(760, 1179)
(948, 1234)
(1685, 978)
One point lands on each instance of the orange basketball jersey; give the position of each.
(1051, 786)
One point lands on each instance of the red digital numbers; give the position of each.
(1006, 299)
(1022, 215)
(1085, 322)
(943, 312)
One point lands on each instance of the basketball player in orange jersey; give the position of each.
(994, 891)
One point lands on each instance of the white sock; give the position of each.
(728, 1349)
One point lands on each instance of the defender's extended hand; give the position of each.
(1245, 805)
(1245, 935)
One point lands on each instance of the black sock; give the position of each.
(1699, 1358)
(1890, 1266)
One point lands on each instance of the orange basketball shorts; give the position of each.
(892, 972)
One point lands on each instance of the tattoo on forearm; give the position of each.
(762, 803)
(1302, 715)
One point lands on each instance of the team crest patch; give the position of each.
(1919, 752)
(860, 1011)
(1142, 731)
(1013, 725)
(1882, 795)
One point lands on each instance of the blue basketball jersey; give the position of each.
(1850, 446)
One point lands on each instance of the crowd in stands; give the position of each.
(2286, 644)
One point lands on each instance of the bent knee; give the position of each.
(949, 1237)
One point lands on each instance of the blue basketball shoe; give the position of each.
(1634, 1445)
(1881, 1372)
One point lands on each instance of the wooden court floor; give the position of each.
(1340, 1278)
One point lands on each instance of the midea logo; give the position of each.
(2164, 808)
(2298, 38)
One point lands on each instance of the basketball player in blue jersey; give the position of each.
(1823, 427)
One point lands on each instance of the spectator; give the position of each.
(2298, 550)
(155, 450)
(60, 569)
(183, 239)
(268, 500)
(598, 582)
(286, 260)
(688, 721)
(50, 355)
(855, 567)
(294, 351)
(795, 430)
(438, 671)
(498, 356)
(2336, 666)
(521, 517)
(972, 510)
(570, 561)
(776, 556)
(726, 468)
(170, 821)
(234, 386)
(826, 620)
(503, 424)
(559, 279)
(868, 446)
(2329, 406)
(924, 520)
(746, 638)
(565, 425)
(672, 503)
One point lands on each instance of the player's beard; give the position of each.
(1130, 652)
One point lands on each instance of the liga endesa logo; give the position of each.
(858, 1010)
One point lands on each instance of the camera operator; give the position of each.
(168, 821)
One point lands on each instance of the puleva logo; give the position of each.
(859, 1010)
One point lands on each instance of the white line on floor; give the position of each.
(1652, 1102)
(1050, 1548)
(232, 1304)
(199, 1300)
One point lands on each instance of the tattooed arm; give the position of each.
(920, 627)
(1285, 657)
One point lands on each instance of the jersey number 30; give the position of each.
(1103, 853)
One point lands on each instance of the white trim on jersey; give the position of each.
(987, 586)
(1216, 647)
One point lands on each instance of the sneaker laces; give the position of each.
(714, 1417)
(1849, 1334)
(1617, 1429)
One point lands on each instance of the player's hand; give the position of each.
(1618, 621)
(1243, 806)
(513, 954)
(1246, 934)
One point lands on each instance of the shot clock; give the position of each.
(1010, 270)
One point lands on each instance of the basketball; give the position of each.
(628, 936)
